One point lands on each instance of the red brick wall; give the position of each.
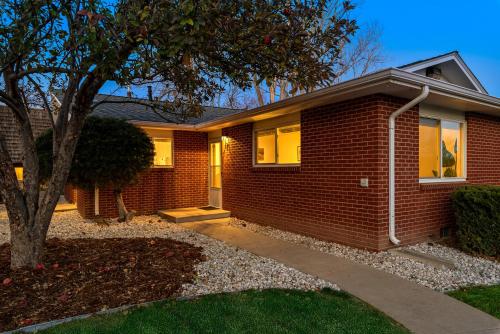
(70, 193)
(483, 149)
(422, 210)
(85, 203)
(342, 143)
(184, 185)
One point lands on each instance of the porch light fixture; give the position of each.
(225, 141)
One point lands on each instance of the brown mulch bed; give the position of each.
(88, 275)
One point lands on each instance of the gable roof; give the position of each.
(123, 107)
(453, 68)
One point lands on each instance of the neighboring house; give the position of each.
(320, 163)
(40, 122)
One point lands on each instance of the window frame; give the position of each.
(171, 140)
(276, 149)
(442, 179)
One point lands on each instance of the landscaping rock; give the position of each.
(226, 268)
(470, 270)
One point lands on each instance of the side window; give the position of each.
(441, 149)
(163, 152)
(278, 146)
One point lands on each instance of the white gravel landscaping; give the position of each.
(227, 268)
(470, 270)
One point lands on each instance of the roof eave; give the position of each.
(348, 88)
(163, 126)
(301, 102)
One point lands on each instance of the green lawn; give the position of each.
(485, 298)
(269, 311)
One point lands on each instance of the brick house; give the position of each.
(369, 162)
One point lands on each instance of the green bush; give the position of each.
(477, 209)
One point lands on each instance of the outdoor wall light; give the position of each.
(225, 142)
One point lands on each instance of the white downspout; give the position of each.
(392, 164)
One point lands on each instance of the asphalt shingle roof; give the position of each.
(137, 112)
(9, 128)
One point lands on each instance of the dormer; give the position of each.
(449, 67)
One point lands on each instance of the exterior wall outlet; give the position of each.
(363, 183)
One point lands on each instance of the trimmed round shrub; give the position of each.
(477, 210)
(110, 152)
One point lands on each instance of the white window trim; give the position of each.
(275, 128)
(441, 179)
(172, 152)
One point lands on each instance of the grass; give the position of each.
(485, 298)
(268, 311)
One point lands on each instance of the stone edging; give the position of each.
(46, 325)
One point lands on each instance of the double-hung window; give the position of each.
(441, 150)
(278, 145)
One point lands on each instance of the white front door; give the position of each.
(215, 173)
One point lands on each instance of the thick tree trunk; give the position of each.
(27, 246)
(29, 213)
(123, 214)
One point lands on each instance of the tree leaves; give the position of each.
(79, 46)
(109, 152)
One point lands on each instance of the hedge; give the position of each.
(477, 210)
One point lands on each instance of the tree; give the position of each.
(78, 46)
(354, 58)
(110, 152)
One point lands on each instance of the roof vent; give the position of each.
(434, 73)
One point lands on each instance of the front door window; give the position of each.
(215, 165)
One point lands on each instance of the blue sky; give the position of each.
(413, 30)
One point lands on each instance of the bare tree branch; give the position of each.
(44, 99)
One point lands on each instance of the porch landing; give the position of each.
(185, 215)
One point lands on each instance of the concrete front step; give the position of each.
(186, 215)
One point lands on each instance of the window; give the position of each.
(441, 149)
(163, 152)
(280, 145)
(19, 173)
(215, 165)
(266, 147)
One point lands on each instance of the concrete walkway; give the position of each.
(419, 309)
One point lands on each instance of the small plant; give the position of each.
(477, 209)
